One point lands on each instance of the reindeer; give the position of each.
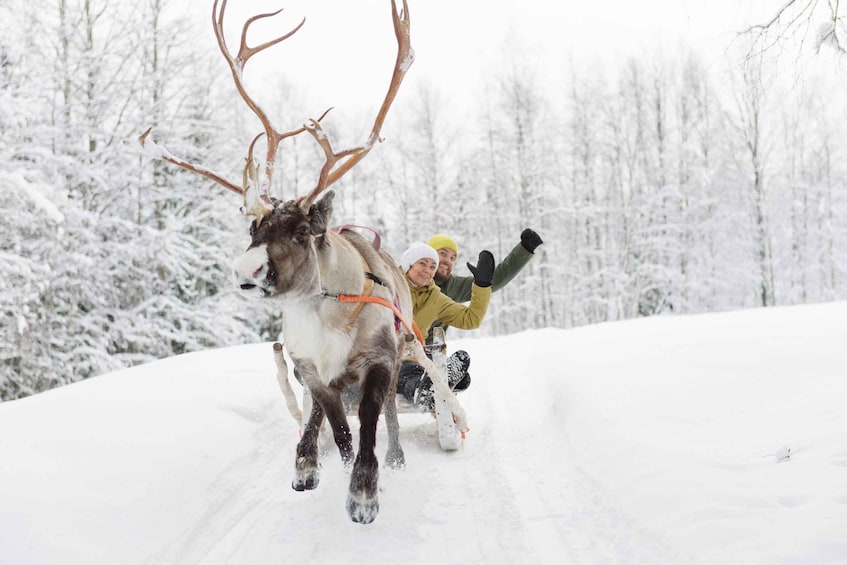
(324, 281)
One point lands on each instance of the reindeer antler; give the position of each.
(256, 190)
(236, 65)
(348, 158)
(160, 152)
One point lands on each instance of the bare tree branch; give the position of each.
(801, 17)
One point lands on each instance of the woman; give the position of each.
(419, 263)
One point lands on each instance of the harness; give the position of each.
(362, 300)
(367, 293)
(376, 243)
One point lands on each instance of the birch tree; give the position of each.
(750, 125)
(523, 147)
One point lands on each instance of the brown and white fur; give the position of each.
(295, 259)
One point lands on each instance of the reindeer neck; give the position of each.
(342, 268)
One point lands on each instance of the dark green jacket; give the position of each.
(459, 288)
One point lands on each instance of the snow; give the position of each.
(716, 438)
(35, 191)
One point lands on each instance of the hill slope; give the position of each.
(704, 439)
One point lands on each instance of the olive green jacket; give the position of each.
(459, 288)
(430, 304)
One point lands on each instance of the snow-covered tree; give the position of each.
(655, 187)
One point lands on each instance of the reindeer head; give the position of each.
(282, 257)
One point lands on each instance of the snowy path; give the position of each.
(641, 442)
(483, 504)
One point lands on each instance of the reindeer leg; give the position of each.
(330, 401)
(362, 501)
(306, 468)
(394, 457)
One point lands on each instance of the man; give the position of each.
(459, 290)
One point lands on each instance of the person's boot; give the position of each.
(457, 370)
(463, 384)
(409, 379)
(423, 393)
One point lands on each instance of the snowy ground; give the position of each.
(716, 439)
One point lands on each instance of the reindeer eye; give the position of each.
(301, 234)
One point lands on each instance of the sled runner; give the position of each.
(449, 435)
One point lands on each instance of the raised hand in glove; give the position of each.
(484, 269)
(530, 240)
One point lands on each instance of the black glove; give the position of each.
(530, 240)
(484, 269)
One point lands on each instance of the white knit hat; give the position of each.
(418, 250)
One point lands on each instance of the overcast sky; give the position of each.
(345, 52)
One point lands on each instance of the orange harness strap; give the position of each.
(369, 286)
(382, 302)
(366, 297)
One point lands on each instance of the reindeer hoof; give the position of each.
(305, 479)
(395, 460)
(308, 484)
(362, 509)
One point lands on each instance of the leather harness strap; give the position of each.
(366, 293)
(382, 302)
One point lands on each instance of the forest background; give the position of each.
(667, 181)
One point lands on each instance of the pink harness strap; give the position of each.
(397, 320)
(377, 242)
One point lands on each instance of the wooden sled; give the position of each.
(445, 410)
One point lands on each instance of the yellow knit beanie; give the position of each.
(441, 241)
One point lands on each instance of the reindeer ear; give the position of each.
(320, 213)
